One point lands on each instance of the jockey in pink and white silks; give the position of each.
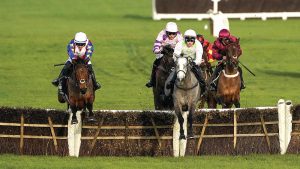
(190, 47)
(168, 36)
(78, 48)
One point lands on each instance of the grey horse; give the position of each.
(186, 93)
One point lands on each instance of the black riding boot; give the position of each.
(196, 70)
(242, 79)
(152, 78)
(214, 82)
(95, 83)
(171, 83)
(66, 70)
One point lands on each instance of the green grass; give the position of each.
(209, 162)
(34, 35)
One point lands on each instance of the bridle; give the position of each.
(82, 80)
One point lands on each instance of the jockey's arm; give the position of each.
(177, 50)
(158, 43)
(199, 53)
(89, 52)
(70, 50)
(215, 52)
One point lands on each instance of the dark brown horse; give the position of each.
(161, 101)
(206, 72)
(81, 94)
(229, 84)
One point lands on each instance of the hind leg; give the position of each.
(74, 118)
(190, 120)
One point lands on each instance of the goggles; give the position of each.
(171, 33)
(80, 44)
(189, 39)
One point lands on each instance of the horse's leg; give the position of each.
(237, 104)
(211, 102)
(178, 111)
(74, 118)
(190, 120)
(90, 117)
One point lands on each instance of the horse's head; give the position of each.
(81, 77)
(233, 53)
(181, 67)
(167, 58)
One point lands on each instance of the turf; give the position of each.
(225, 162)
(34, 35)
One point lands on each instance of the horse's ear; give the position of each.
(238, 39)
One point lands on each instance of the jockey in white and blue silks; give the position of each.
(78, 48)
(190, 47)
(168, 36)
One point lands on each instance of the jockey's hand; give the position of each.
(193, 64)
(224, 58)
(157, 51)
(74, 61)
(202, 62)
(86, 60)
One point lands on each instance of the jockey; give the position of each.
(207, 47)
(219, 48)
(190, 47)
(168, 36)
(78, 48)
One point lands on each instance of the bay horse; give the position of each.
(161, 101)
(81, 94)
(186, 93)
(229, 84)
(206, 71)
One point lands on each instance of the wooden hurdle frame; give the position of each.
(200, 137)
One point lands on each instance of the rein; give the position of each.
(185, 89)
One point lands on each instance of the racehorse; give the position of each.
(81, 94)
(206, 71)
(161, 101)
(229, 84)
(186, 93)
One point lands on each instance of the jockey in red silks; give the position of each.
(207, 47)
(219, 49)
(168, 36)
(78, 48)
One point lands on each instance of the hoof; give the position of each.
(182, 136)
(191, 135)
(92, 119)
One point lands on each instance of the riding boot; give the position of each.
(66, 70)
(152, 78)
(95, 83)
(215, 75)
(196, 70)
(242, 79)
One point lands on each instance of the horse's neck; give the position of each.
(165, 64)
